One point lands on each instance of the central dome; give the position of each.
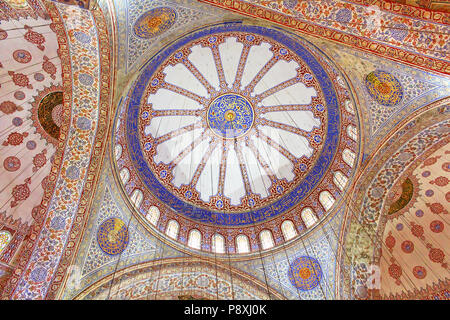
(230, 116)
(233, 125)
(234, 120)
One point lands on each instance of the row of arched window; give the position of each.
(242, 243)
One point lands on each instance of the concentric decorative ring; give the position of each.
(384, 88)
(230, 116)
(154, 22)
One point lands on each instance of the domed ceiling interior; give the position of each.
(224, 150)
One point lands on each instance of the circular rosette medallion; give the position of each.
(305, 273)
(112, 236)
(384, 88)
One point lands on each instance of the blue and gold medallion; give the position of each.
(305, 273)
(230, 116)
(112, 236)
(154, 22)
(384, 88)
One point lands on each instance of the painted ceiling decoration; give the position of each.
(211, 149)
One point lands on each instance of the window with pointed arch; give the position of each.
(117, 151)
(266, 238)
(124, 175)
(242, 244)
(349, 157)
(153, 215)
(5, 239)
(218, 243)
(308, 217)
(136, 197)
(172, 229)
(340, 180)
(326, 200)
(195, 239)
(352, 132)
(288, 229)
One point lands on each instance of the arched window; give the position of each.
(195, 239)
(288, 229)
(218, 243)
(340, 180)
(266, 239)
(124, 175)
(242, 244)
(153, 215)
(308, 217)
(326, 200)
(352, 132)
(117, 151)
(349, 157)
(349, 106)
(136, 197)
(172, 229)
(5, 239)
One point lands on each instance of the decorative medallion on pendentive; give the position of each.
(384, 88)
(112, 236)
(305, 273)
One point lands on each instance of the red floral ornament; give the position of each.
(407, 246)
(20, 79)
(436, 255)
(34, 37)
(15, 138)
(20, 192)
(9, 107)
(3, 34)
(437, 208)
(390, 241)
(416, 230)
(49, 67)
(395, 271)
(39, 160)
(440, 181)
(437, 226)
(430, 161)
(11, 163)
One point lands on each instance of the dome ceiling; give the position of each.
(234, 126)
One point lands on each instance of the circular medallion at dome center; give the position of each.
(230, 116)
